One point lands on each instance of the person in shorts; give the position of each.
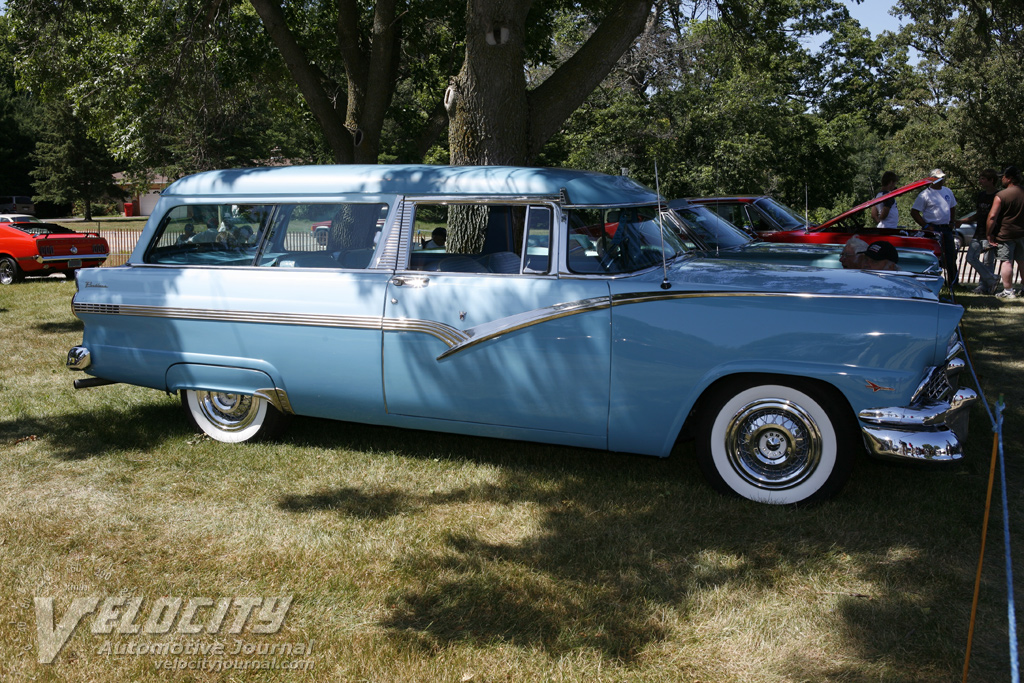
(1006, 229)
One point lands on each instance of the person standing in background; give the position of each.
(886, 214)
(979, 254)
(1006, 228)
(935, 210)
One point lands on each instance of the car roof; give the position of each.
(18, 217)
(584, 188)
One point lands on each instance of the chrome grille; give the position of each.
(935, 387)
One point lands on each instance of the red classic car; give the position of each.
(774, 222)
(30, 248)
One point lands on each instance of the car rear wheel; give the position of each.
(9, 271)
(231, 418)
(775, 443)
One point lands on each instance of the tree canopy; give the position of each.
(725, 95)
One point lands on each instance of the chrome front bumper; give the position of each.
(931, 428)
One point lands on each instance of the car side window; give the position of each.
(620, 240)
(209, 235)
(470, 238)
(324, 235)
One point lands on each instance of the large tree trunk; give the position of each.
(492, 118)
(487, 106)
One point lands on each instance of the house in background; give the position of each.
(142, 205)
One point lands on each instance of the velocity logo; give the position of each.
(127, 615)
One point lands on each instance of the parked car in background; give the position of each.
(17, 204)
(18, 218)
(580, 317)
(721, 239)
(775, 222)
(29, 248)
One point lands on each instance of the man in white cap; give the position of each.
(935, 209)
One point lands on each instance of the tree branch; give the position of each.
(554, 100)
(305, 76)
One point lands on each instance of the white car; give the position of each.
(18, 218)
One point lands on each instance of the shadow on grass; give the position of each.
(627, 547)
(61, 327)
(95, 433)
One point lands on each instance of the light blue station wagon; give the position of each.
(544, 305)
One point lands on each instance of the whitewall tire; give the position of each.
(775, 443)
(231, 418)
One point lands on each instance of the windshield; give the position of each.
(785, 217)
(709, 229)
(619, 240)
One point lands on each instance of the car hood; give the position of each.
(819, 255)
(699, 272)
(917, 185)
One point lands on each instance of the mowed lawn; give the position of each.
(415, 556)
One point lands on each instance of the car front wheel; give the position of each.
(9, 271)
(775, 443)
(231, 418)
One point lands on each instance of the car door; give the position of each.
(490, 334)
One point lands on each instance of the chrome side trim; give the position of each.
(277, 398)
(78, 257)
(455, 339)
(310, 319)
(79, 358)
(496, 328)
(446, 333)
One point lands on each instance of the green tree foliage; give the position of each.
(18, 128)
(734, 103)
(72, 166)
(172, 87)
(960, 109)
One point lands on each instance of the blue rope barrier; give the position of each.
(996, 421)
(1011, 610)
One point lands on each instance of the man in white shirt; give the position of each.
(935, 210)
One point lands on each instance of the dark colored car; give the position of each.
(31, 248)
(776, 222)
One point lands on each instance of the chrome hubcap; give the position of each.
(773, 444)
(229, 412)
(6, 272)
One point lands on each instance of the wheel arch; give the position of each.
(747, 378)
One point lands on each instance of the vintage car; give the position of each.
(720, 238)
(34, 248)
(773, 221)
(533, 323)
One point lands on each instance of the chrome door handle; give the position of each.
(418, 281)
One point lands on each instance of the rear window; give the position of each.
(274, 235)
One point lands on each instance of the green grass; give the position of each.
(415, 556)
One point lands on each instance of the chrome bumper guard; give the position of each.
(78, 358)
(931, 428)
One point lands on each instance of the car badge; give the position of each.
(74, 250)
(876, 387)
